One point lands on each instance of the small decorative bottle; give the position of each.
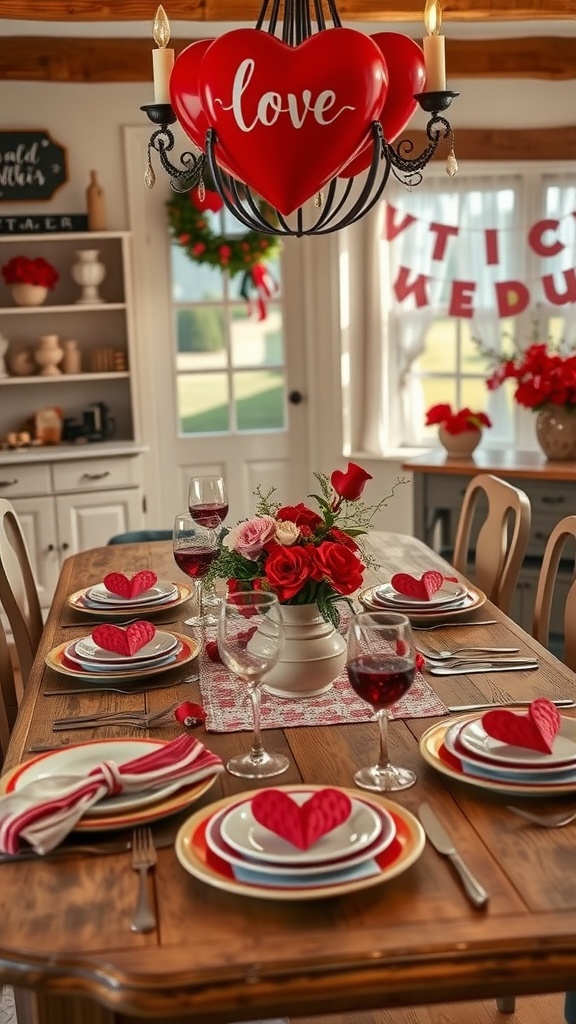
(72, 361)
(95, 204)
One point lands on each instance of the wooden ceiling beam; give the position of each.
(52, 59)
(499, 144)
(248, 10)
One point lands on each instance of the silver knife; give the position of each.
(441, 841)
(569, 703)
(487, 667)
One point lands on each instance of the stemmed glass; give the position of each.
(194, 548)
(381, 668)
(208, 506)
(250, 638)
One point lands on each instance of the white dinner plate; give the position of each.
(420, 616)
(57, 660)
(160, 645)
(507, 772)
(448, 594)
(120, 666)
(199, 859)
(300, 869)
(79, 603)
(244, 834)
(161, 591)
(475, 739)
(79, 760)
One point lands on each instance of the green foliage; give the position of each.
(200, 330)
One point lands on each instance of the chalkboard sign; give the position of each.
(32, 166)
(43, 224)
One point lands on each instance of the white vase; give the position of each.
(88, 272)
(48, 355)
(313, 655)
(28, 294)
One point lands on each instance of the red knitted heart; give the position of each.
(124, 641)
(130, 586)
(422, 588)
(301, 824)
(535, 730)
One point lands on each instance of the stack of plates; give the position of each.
(119, 811)
(98, 600)
(226, 847)
(451, 600)
(462, 749)
(84, 659)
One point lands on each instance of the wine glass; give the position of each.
(250, 638)
(381, 668)
(194, 548)
(208, 505)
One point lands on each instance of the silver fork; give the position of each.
(141, 718)
(451, 625)
(143, 858)
(448, 655)
(545, 820)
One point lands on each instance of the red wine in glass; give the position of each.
(209, 513)
(381, 680)
(195, 563)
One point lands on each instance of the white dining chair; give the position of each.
(8, 697)
(18, 593)
(502, 538)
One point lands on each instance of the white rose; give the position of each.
(287, 533)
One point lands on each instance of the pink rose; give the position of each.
(249, 538)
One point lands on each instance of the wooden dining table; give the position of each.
(219, 956)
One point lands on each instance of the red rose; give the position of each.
(338, 566)
(288, 570)
(300, 515)
(339, 537)
(349, 485)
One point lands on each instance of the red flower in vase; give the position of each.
(22, 270)
(458, 422)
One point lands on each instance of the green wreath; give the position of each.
(190, 228)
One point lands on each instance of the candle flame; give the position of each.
(161, 28)
(433, 17)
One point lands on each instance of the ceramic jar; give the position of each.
(89, 273)
(556, 432)
(28, 294)
(312, 657)
(459, 446)
(72, 360)
(49, 355)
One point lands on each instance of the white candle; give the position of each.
(434, 59)
(162, 58)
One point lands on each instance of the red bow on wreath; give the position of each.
(260, 278)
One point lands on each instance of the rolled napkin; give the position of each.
(45, 811)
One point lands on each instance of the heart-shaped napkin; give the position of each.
(301, 824)
(535, 730)
(423, 588)
(130, 586)
(123, 640)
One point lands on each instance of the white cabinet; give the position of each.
(103, 332)
(70, 504)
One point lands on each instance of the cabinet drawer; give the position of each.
(446, 491)
(19, 480)
(94, 474)
(554, 498)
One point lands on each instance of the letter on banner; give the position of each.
(391, 229)
(461, 299)
(512, 298)
(443, 232)
(553, 295)
(536, 240)
(418, 288)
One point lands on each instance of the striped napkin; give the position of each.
(46, 810)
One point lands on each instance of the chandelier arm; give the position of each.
(334, 14)
(366, 196)
(437, 128)
(328, 213)
(319, 12)
(182, 178)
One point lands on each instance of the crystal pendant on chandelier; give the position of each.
(299, 143)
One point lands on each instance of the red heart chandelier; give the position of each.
(296, 125)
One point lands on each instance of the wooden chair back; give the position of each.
(18, 593)
(561, 534)
(8, 698)
(502, 538)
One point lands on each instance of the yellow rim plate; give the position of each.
(77, 602)
(475, 599)
(55, 659)
(199, 860)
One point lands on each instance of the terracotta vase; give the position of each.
(556, 432)
(49, 355)
(459, 446)
(28, 294)
(312, 657)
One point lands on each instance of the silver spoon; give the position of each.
(448, 655)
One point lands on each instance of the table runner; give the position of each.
(229, 709)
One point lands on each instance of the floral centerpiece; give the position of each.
(303, 555)
(456, 422)
(22, 270)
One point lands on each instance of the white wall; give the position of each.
(89, 119)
